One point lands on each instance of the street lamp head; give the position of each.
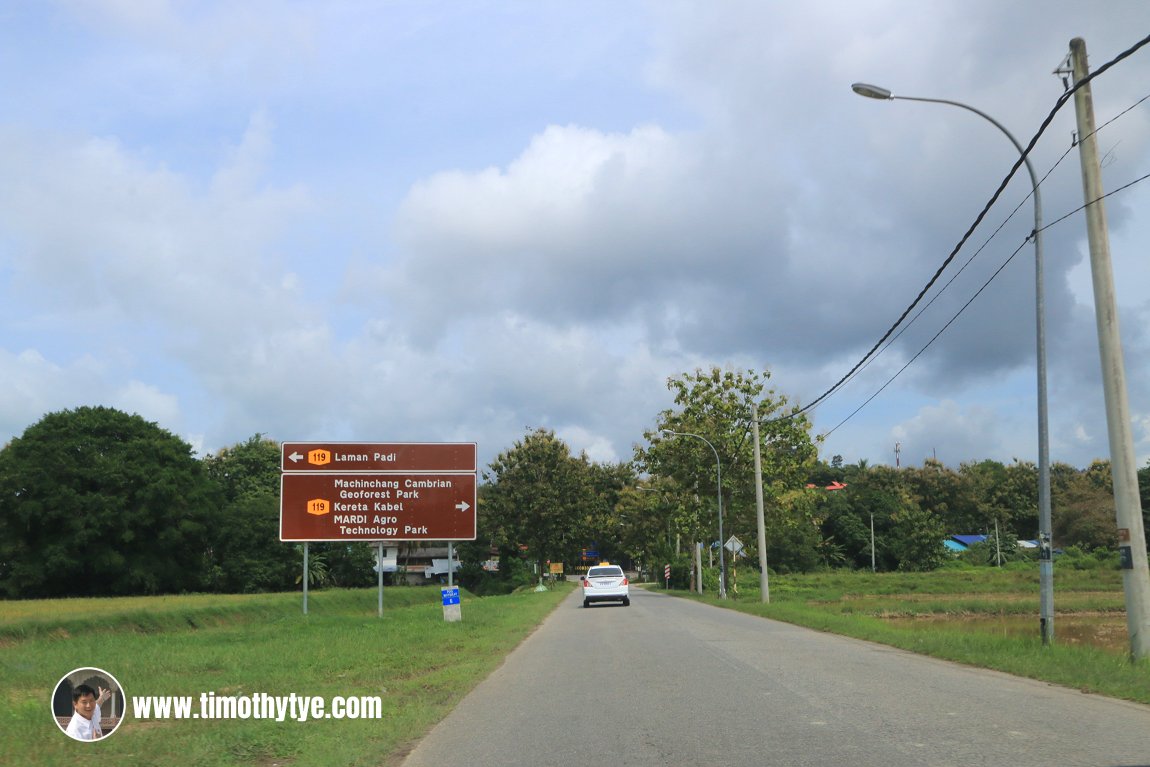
(872, 91)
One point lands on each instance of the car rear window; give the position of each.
(605, 572)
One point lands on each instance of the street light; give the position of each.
(1046, 560)
(719, 493)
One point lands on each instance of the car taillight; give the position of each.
(624, 581)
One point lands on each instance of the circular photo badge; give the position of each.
(88, 704)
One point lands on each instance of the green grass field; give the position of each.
(418, 664)
(950, 608)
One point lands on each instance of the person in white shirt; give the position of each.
(85, 723)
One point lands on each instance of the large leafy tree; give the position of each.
(648, 516)
(918, 536)
(611, 521)
(1085, 505)
(1006, 496)
(96, 502)
(542, 497)
(245, 553)
(949, 494)
(718, 406)
(905, 507)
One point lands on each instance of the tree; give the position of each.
(918, 537)
(245, 552)
(908, 534)
(610, 524)
(1006, 496)
(95, 502)
(950, 495)
(1085, 503)
(844, 525)
(717, 405)
(541, 497)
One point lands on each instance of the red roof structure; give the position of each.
(835, 485)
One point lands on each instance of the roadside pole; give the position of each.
(1123, 466)
(764, 578)
(699, 567)
(305, 577)
(379, 568)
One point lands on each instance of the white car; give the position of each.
(605, 583)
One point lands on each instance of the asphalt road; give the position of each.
(668, 681)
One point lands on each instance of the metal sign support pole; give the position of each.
(379, 567)
(450, 564)
(305, 577)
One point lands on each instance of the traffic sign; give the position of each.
(350, 506)
(377, 456)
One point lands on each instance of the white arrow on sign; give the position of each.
(295, 457)
(463, 505)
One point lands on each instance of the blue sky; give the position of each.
(384, 221)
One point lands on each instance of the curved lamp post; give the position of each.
(719, 493)
(1046, 561)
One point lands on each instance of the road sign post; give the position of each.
(377, 491)
(735, 546)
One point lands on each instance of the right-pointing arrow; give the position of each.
(463, 505)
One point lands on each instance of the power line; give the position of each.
(1060, 102)
(986, 284)
(928, 344)
(1084, 206)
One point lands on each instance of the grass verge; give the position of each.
(418, 664)
(858, 604)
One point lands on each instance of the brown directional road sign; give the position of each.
(370, 507)
(377, 456)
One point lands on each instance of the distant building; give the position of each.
(416, 563)
(960, 543)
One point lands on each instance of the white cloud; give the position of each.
(148, 402)
(951, 432)
(379, 222)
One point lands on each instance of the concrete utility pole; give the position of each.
(764, 578)
(872, 565)
(1123, 466)
(699, 567)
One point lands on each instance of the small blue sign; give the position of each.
(450, 596)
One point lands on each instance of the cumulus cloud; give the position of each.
(360, 222)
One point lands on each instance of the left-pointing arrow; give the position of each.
(463, 505)
(296, 457)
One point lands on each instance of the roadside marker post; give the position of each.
(451, 609)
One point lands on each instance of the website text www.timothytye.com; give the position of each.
(259, 705)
